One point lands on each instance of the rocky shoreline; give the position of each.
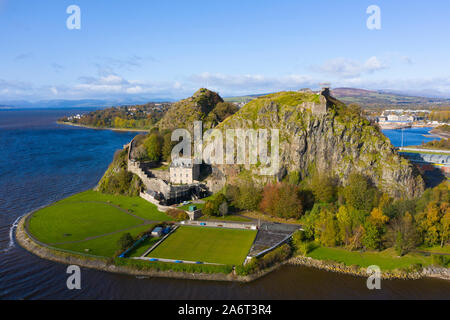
(332, 266)
(440, 134)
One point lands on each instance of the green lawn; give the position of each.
(104, 246)
(64, 222)
(198, 205)
(135, 205)
(91, 214)
(213, 245)
(386, 260)
(436, 249)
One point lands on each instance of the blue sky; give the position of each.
(150, 49)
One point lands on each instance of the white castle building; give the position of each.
(184, 171)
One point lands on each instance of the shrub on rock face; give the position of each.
(117, 179)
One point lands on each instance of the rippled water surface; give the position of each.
(41, 162)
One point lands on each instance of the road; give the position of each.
(425, 150)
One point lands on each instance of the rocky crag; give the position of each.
(196, 108)
(320, 133)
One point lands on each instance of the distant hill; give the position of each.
(83, 103)
(368, 99)
(378, 99)
(245, 99)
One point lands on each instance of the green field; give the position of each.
(213, 245)
(134, 205)
(104, 246)
(386, 260)
(92, 222)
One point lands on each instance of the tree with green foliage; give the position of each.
(125, 241)
(372, 236)
(402, 234)
(345, 224)
(399, 208)
(445, 236)
(323, 187)
(430, 224)
(301, 244)
(308, 222)
(358, 193)
(167, 146)
(290, 204)
(244, 196)
(326, 229)
(153, 144)
(217, 206)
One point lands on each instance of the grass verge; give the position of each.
(177, 267)
(386, 260)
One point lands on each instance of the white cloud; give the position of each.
(135, 90)
(112, 80)
(108, 85)
(54, 91)
(244, 84)
(347, 68)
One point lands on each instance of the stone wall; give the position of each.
(154, 184)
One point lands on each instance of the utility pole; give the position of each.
(402, 136)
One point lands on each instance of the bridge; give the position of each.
(440, 158)
(434, 164)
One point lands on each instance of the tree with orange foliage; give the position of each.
(282, 200)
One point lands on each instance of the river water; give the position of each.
(41, 162)
(410, 136)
